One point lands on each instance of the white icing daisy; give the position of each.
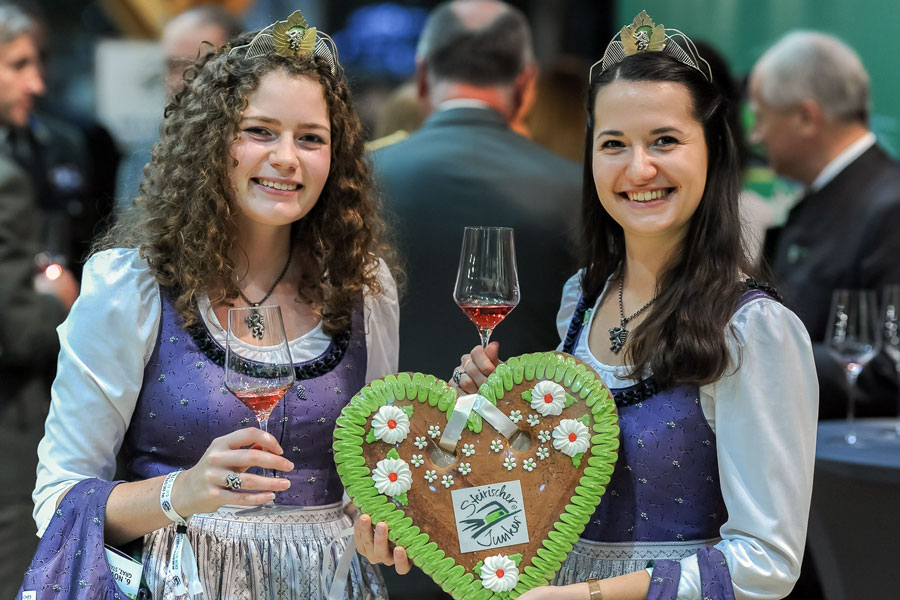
(420, 442)
(465, 468)
(533, 419)
(390, 425)
(417, 460)
(434, 431)
(544, 436)
(515, 416)
(543, 453)
(447, 480)
(548, 398)
(430, 475)
(392, 476)
(468, 449)
(571, 437)
(529, 464)
(509, 462)
(496, 445)
(499, 573)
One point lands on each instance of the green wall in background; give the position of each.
(743, 29)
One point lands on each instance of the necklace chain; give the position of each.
(271, 289)
(619, 333)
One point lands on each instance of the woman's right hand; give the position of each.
(202, 489)
(475, 367)
(372, 542)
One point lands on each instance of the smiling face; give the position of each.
(283, 150)
(649, 157)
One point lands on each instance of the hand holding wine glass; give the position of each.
(854, 338)
(258, 366)
(487, 283)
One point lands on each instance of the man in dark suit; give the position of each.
(465, 166)
(811, 96)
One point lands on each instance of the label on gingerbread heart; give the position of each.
(486, 492)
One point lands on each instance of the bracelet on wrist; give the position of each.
(594, 588)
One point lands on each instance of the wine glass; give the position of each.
(487, 284)
(258, 366)
(891, 313)
(853, 338)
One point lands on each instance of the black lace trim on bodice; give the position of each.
(321, 365)
(648, 387)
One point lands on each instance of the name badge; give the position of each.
(490, 516)
(126, 571)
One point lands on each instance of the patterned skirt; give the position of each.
(603, 559)
(267, 556)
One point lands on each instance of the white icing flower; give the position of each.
(496, 445)
(392, 476)
(529, 464)
(548, 398)
(434, 431)
(499, 573)
(544, 436)
(447, 480)
(571, 437)
(430, 475)
(515, 416)
(417, 460)
(390, 425)
(509, 462)
(543, 453)
(465, 468)
(468, 449)
(420, 442)
(533, 419)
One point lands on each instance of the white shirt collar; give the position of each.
(462, 103)
(840, 162)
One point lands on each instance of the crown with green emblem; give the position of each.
(292, 37)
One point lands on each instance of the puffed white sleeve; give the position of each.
(105, 343)
(764, 415)
(570, 295)
(382, 315)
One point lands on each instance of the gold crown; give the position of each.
(291, 37)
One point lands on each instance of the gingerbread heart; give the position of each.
(487, 493)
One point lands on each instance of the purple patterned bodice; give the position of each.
(665, 486)
(184, 405)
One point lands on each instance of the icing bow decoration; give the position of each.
(643, 35)
(291, 37)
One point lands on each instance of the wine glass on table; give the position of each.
(258, 365)
(854, 338)
(487, 284)
(891, 341)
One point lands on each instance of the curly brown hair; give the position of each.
(184, 217)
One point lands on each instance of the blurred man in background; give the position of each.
(32, 303)
(810, 93)
(465, 166)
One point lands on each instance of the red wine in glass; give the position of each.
(258, 365)
(487, 283)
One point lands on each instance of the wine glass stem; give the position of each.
(897, 426)
(264, 425)
(485, 334)
(852, 374)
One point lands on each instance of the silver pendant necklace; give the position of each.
(255, 322)
(618, 334)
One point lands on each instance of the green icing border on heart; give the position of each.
(453, 578)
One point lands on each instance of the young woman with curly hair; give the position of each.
(256, 191)
(713, 378)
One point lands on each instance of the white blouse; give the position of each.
(105, 344)
(764, 415)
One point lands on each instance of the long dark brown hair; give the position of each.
(184, 218)
(682, 339)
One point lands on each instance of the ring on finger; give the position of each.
(456, 375)
(233, 481)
